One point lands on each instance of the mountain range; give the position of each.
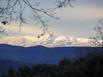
(15, 56)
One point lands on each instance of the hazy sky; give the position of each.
(80, 20)
(77, 22)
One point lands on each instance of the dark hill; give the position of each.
(11, 55)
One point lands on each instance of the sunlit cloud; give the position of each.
(25, 29)
(46, 40)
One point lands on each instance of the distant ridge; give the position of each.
(43, 46)
(17, 55)
(8, 45)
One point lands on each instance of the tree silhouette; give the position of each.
(11, 73)
(24, 72)
(65, 62)
(88, 66)
(14, 11)
(98, 39)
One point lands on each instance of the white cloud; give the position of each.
(60, 39)
(47, 40)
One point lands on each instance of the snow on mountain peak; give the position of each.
(46, 40)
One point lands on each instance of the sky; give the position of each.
(78, 21)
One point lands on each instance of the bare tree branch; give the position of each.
(16, 8)
(98, 39)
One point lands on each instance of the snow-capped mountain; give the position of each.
(46, 40)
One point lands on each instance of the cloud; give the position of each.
(26, 29)
(60, 39)
(46, 40)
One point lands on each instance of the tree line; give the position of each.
(89, 66)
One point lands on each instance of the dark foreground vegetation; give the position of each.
(89, 66)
